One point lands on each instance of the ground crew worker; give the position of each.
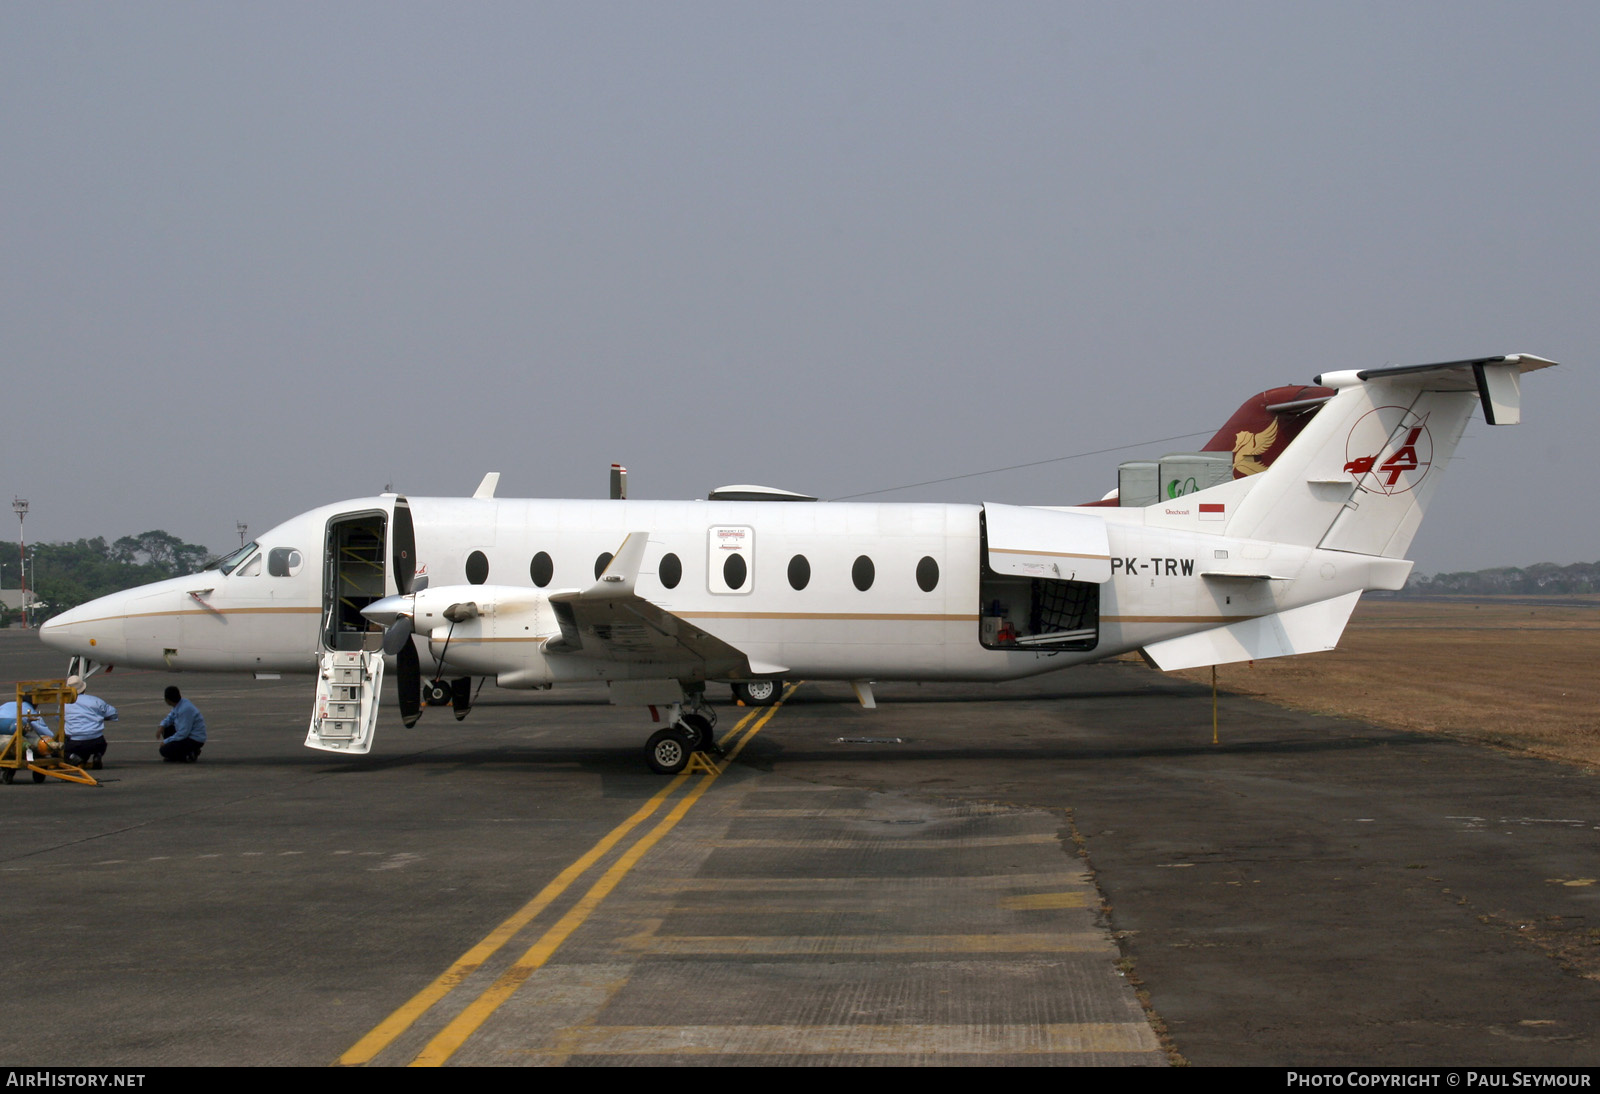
(34, 730)
(183, 730)
(86, 719)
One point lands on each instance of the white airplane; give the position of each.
(655, 598)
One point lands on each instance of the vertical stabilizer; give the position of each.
(1360, 476)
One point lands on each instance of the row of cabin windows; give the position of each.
(735, 571)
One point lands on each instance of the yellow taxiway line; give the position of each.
(451, 1038)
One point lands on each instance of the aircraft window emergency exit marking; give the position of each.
(455, 1034)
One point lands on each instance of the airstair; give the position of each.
(346, 711)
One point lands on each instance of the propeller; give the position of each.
(396, 613)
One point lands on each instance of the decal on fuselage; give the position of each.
(1152, 567)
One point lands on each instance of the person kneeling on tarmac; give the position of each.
(86, 719)
(35, 733)
(183, 731)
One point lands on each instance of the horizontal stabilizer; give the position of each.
(1497, 380)
(1306, 629)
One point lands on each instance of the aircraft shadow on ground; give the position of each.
(772, 755)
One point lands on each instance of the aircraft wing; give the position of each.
(610, 621)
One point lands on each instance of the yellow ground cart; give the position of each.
(49, 698)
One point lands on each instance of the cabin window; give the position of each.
(731, 559)
(541, 569)
(284, 561)
(670, 570)
(601, 563)
(477, 568)
(862, 573)
(799, 572)
(927, 574)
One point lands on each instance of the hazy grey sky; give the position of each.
(261, 257)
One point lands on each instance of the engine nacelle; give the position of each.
(492, 630)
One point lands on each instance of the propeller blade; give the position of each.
(403, 544)
(408, 673)
(461, 696)
(397, 636)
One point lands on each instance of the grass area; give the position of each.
(1510, 672)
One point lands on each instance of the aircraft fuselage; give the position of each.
(823, 590)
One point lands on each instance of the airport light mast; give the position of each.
(19, 506)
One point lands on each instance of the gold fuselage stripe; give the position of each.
(1045, 554)
(198, 611)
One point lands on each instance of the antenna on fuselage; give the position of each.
(619, 482)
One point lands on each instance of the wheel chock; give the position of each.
(700, 761)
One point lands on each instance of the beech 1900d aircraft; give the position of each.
(656, 598)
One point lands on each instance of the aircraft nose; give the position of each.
(89, 630)
(59, 630)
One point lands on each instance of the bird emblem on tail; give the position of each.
(1249, 447)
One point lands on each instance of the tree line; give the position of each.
(1541, 579)
(64, 575)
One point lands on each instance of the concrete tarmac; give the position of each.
(969, 874)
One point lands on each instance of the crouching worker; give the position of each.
(183, 731)
(86, 726)
(36, 734)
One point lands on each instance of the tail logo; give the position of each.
(1401, 456)
(1248, 448)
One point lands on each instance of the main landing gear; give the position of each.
(760, 692)
(692, 729)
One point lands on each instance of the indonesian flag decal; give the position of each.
(1213, 510)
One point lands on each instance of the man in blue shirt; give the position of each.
(34, 731)
(183, 729)
(86, 720)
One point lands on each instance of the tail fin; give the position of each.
(1262, 428)
(1265, 425)
(1360, 475)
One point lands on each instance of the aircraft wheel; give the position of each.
(667, 751)
(7, 774)
(758, 693)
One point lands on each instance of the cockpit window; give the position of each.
(284, 561)
(227, 564)
(251, 568)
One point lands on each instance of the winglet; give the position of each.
(486, 488)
